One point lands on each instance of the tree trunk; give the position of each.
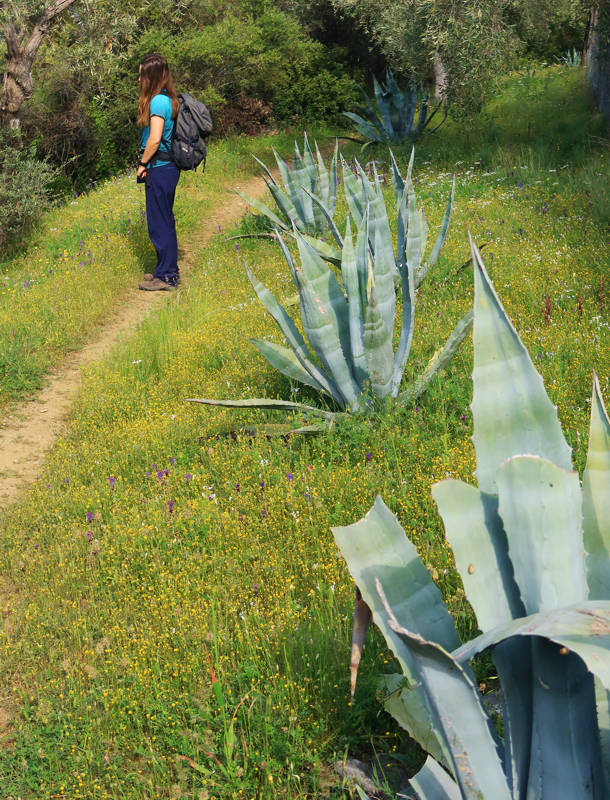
(18, 85)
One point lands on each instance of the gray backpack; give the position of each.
(192, 126)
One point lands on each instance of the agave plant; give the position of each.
(393, 121)
(294, 206)
(350, 325)
(361, 194)
(533, 548)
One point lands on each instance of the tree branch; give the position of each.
(42, 26)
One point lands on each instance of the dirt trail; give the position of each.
(34, 425)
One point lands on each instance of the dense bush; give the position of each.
(25, 187)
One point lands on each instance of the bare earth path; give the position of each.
(34, 425)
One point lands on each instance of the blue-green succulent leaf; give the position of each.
(284, 360)
(351, 283)
(540, 506)
(433, 783)
(404, 704)
(442, 234)
(378, 351)
(259, 206)
(325, 250)
(475, 532)
(364, 127)
(293, 336)
(264, 402)
(512, 412)
(353, 193)
(596, 499)
(456, 709)
(327, 216)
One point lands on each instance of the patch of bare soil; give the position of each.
(33, 426)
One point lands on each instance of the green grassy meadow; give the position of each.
(176, 618)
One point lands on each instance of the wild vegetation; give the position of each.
(175, 617)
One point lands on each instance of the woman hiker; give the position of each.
(157, 110)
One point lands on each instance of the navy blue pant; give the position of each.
(161, 185)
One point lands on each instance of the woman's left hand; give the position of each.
(141, 172)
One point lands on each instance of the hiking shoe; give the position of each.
(155, 285)
(148, 276)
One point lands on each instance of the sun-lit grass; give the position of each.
(176, 616)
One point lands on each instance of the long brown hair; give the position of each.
(155, 77)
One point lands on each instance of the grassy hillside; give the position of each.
(175, 615)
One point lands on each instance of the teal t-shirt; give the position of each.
(160, 106)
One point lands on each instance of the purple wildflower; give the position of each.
(90, 536)
(89, 516)
(237, 487)
(255, 589)
(170, 506)
(188, 478)
(111, 480)
(289, 475)
(368, 456)
(172, 460)
(160, 474)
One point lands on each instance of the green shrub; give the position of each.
(25, 184)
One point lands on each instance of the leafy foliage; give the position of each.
(25, 187)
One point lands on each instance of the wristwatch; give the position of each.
(142, 164)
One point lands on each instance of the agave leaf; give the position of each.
(414, 234)
(602, 698)
(325, 320)
(540, 505)
(405, 706)
(377, 545)
(284, 360)
(363, 260)
(439, 361)
(264, 402)
(442, 234)
(475, 532)
(364, 127)
(322, 186)
(289, 178)
(285, 205)
(408, 312)
(563, 692)
(293, 336)
(456, 709)
(378, 351)
(353, 193)
(384, 269)
(596, 499)
(328, 218)
(324, 249)
(513, 660)
(423, 114)
(351, 284)
(433, 783)
(384, 105)
(512, 412)
(266, 169)
(260, 206)
(582, 628)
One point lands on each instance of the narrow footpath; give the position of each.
(33, 426)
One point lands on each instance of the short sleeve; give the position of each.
(160, 106)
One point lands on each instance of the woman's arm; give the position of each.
(152, 145)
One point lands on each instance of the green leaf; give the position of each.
(442, 234)
(456, 709)
(408, 312)
(260, 206)
(324, 249)
(439, 360)
(284, 360)
(351, 284)
(596, 499)
(293, 335)
(475, 532)
(264, 402)
(582, 628)
(378, 351)
(433, 783)
(353, 193)
(325, 320)
(511, 410)
(404, 704)
(540, 505)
